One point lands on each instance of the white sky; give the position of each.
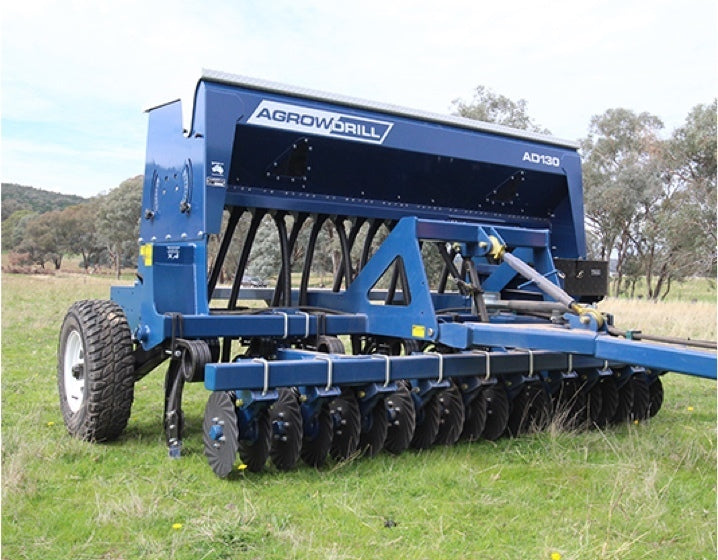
(77, 75)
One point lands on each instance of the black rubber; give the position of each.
(330, 345)
(475, 417)
(254, 453)
(497, 411)
(401, 429)
(451, 418)
(530, 410)
(641, 397)
(285, 417)
(108, 370)
(318, 438)
(656, 392)
(220, 413)
(346, 419)
(371, 439)
(624, 410)
(569, 405)
(427, 424)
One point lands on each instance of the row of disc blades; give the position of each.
(337, 429)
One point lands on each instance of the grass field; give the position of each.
(634, 491)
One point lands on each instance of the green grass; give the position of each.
(635, 491)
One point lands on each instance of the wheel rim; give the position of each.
(74, 371)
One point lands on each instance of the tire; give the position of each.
(95, 370)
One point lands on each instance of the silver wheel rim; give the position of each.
(74, 361)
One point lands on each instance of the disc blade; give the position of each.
(427, 424)
(255, 452)
(220, 433)
(347, 425)
(317, 438)
(371, 439)
(497, 412)
(451, 418)
(285, 418)
(401, 428)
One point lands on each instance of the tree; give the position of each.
(78, 233)
(118, 220)
(13, 228)
(622, 180)
(692, 149)
(41, 239)
(489, 106)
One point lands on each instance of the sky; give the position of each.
(77, 76)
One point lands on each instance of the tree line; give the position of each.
(102, 230)
(650, 204)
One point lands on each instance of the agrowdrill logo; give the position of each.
(317, 121)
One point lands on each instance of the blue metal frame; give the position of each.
(435, 181)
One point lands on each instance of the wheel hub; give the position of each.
(74, 371)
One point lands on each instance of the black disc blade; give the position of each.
(451, 417)
(346, 419)
(497, 411)
(656, 392)
(594, 405)
(317, 441)
(475, 417)
(374, 428)
(641, 397)
(427, 424)
(285, 418)
(609, 401)
(530, 410)
(255, 452)
(624, 410)
(400, 406)
(220, 433)
(570, 405)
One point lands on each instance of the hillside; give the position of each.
(18, 197)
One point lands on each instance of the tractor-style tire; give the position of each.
(95, 370)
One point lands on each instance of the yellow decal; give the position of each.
(146, 253)
(418, 331)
